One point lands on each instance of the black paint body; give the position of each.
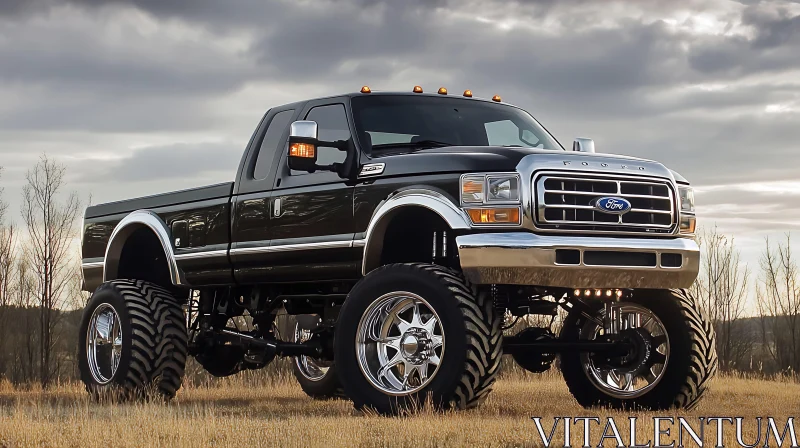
(238, 221)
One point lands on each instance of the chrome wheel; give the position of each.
(400, 343)
(104, 343)
(310, 368)
(645, 367)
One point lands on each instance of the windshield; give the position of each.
(392, 123)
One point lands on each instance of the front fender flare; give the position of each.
(413, 197)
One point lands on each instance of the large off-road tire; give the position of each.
(132, 341)
(679, 382)
(317, 378)
(403, 319)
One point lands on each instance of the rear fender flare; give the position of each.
(125, 228)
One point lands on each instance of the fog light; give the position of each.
(577, 293)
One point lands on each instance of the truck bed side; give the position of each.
(198, 220)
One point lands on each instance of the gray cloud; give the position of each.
(154, 163)
(708, 87)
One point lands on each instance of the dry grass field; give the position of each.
(238, 413)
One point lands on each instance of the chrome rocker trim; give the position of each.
(523, 258)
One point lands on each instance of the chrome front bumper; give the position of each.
(523, 258)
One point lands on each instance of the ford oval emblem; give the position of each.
(615, 206)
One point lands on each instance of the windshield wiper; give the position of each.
(422, 144)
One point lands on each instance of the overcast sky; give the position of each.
(143, 96)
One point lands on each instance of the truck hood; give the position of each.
(465, 159)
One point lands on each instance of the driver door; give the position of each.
(311, 225)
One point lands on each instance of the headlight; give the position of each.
(502, 189)
(483, 194)
(687, 199)
(688, 221)
(490, 189)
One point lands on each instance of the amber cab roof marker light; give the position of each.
(366, 89)
(468, 93)
(442, 91)
(417, 89)
(497, 98)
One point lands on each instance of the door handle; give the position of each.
(276, 208)
(180, 233)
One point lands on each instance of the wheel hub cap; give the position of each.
(312, 369)
(416, 345)
(104, 343)
(410, 346)
(400, 343)
(641, 370)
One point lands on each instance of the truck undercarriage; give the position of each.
(209, 314)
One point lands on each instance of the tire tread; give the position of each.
(484, 336)
(159, 341)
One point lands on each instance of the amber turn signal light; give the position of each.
(366, 89)
(471, 186)
(304, 150)
(417, 89)
(442, 91)
(494, 215)
(468, 93)
(497, 98)
(688, 224)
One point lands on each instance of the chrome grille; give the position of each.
(566, 202)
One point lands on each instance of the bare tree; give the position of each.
(722, 288)
(3, 205)
(50, 225)
(6, 237)
(6, 255)
(6, 265)
(779, 305)
(25, 337)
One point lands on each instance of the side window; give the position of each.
(266, 154)
(331, 126)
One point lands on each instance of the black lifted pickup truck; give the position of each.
(405, 235)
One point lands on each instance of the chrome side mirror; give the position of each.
(583, 144)
(303, 146)
(303, 129)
